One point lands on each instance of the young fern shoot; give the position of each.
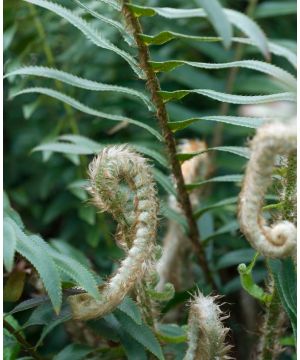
(137, 229)
(206, 334)
(278, 240)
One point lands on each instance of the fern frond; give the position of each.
(84, 108)
(229, 98)
(283, 76)
(79, 82)
(92, 34)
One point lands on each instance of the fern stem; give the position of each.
(22, 341)
(162, 117)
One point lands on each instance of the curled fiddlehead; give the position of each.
(278, 240)
(206, 333)
(137, 227)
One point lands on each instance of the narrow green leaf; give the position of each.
(130, 308)
(65, 148)
(222, 203)
(173, 215)
(36, 251)
(229, 98)
(76, 272)
(160, 158)
(74, 352)
(250, 122)
(29, 304)
(236, 150)
(166, 36)
(235, 257)
(283, 76)
(171, 333)
(140, 333)
(64, 316)
(164, 181)
(79, 82)
(127, 37)
(91, 33)
(219, 20)
(274, 48)
(240, 20)
(286, 284)
(275, 8)
(85, 109)
(9, 245)
(224, 178)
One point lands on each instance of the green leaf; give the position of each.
(85, 109)
(275, 8)
(224, 178)
(65, 315)
(36, 251)
(160, 158)
(250, 122)
(241, 21)
(91, 33)
(222, 203)
(173, 215)
(79, 82)
(229, 98)
(171, 333)
(235, 257)
(133, 349)
(76, 272)
(219, 20)
(126, 35)
(130, 308)
(64, 148)
(29, 304)
(283, 76)
(286, 283)
(9, 245)
(236, 150)
(164, 181)
(165, 36)
(74, 352)
(140, 333)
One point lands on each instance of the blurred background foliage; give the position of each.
(44, 186)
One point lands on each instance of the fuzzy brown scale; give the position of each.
(108, 169)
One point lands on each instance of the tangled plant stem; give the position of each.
(137, 227)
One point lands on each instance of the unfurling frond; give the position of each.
(137, 228)
(206, 333)
(278, 240)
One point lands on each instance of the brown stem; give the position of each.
(22, 341)
(162, 117)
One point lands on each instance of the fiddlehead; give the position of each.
(206, 333)
(278, 240)
(137, 228)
